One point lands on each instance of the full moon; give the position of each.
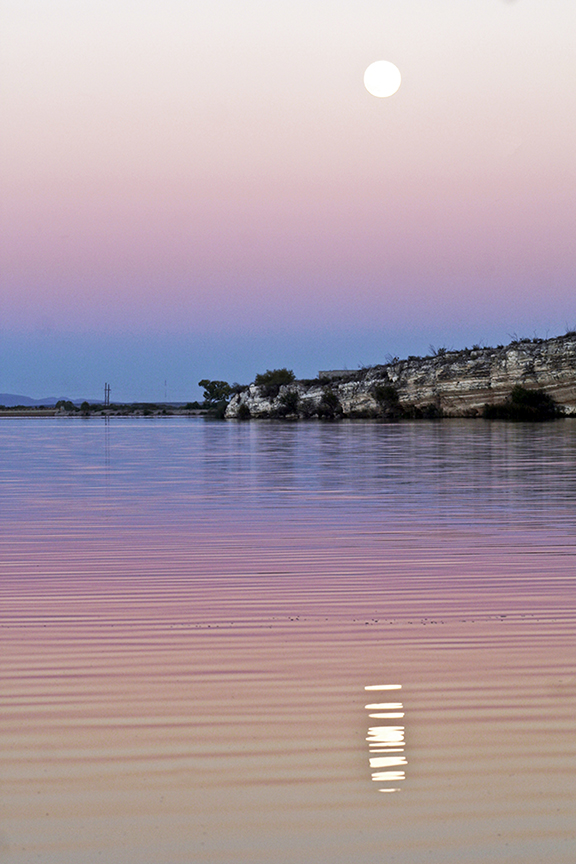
(382, 78)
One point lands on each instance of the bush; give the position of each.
(269, 382)
(217, 410)
(430, 411)
(523, 405)
(289, 402)
(243, 412)
(364, 414)
(307, 408)
(385, 394)
(330, 407)
(388, 401)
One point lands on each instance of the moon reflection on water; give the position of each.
(387, 743)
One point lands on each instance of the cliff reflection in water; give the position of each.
(389, 740)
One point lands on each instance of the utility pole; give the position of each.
(106, 395)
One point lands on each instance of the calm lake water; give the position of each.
(244, 643)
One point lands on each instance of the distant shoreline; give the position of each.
(529, 379)
(28, 412)
(121, 411)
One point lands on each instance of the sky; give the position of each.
(205, 189)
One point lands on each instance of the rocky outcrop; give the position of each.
(450, 384)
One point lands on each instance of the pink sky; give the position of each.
(187, 170)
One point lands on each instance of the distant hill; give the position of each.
(9, 400)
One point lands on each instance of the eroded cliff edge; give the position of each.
(449, 384)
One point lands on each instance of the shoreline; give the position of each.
(447, 384)
(87, 415)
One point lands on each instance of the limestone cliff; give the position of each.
(450, 383)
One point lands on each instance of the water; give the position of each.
(287, 642)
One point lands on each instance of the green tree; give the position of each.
(66, 405)
(215, 392)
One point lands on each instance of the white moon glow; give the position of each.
(382, 78)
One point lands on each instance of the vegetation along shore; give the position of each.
(528, 379)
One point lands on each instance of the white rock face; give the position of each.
(454, 383)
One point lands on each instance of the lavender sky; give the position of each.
(204, 188)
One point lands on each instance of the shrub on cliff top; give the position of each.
(270, 381)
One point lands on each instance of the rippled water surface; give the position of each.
(287, 643)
